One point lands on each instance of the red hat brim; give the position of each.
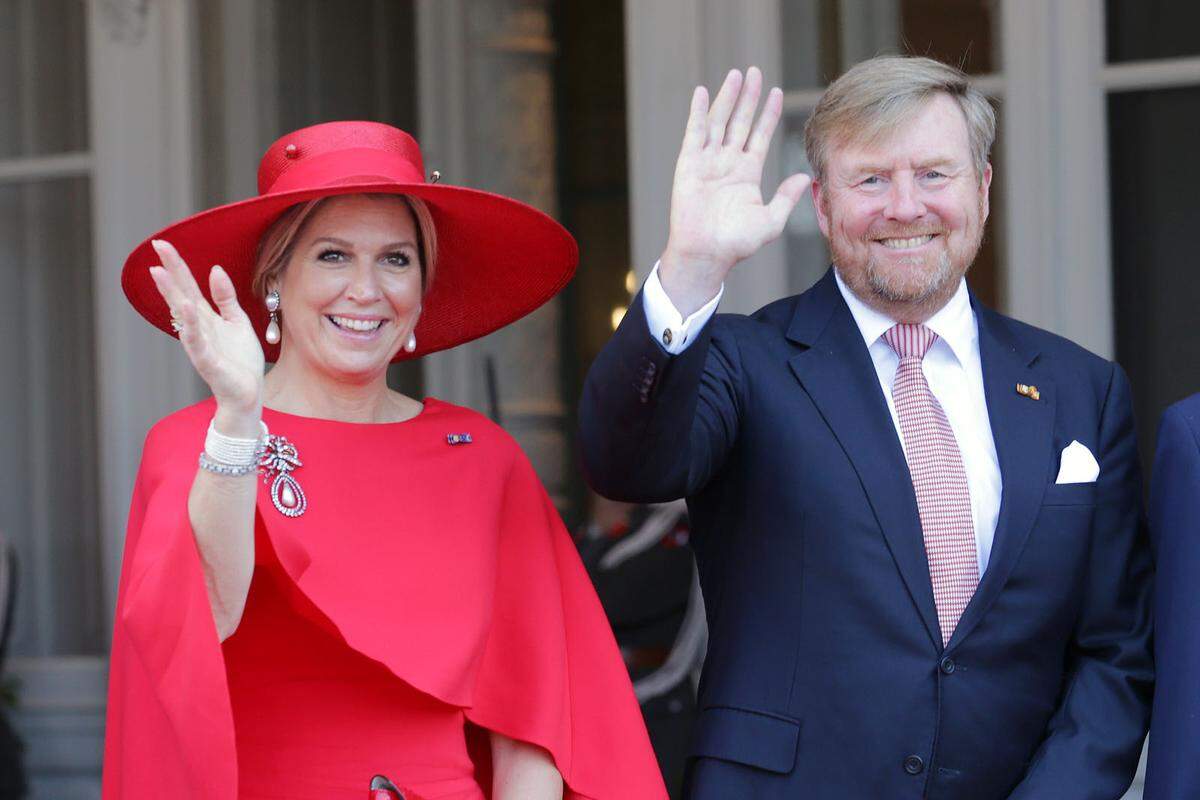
(498, 259)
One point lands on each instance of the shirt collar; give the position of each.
(954, 323)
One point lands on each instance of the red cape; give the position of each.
(447, 564)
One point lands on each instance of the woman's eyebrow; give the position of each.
(334, 240)
(350, 246)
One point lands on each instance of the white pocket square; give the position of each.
(1077, 465)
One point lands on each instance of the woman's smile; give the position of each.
(357, 327)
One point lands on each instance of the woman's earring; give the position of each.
(273, 326)
(411, 344)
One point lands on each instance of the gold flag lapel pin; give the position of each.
(1026, 390)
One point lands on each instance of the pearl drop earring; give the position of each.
(411, 344)
(272, 335)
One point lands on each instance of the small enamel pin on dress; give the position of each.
(279, 458)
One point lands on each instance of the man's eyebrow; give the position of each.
(944, 161)
(859, 169)
(938, 161)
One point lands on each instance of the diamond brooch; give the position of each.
(279, 458)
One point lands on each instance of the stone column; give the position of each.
(488, 121)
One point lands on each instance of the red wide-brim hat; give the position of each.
(497, 259)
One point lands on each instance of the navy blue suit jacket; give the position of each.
(1173, 771)
(826, 677)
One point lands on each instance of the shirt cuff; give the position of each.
(667, 325)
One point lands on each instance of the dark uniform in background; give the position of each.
(645, 578)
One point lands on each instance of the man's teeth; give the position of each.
(360, 325)
(905, 244)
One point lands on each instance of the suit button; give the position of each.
(914, 765)
(947, 665)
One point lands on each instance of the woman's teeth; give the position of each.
(906, 244)
(359, 325)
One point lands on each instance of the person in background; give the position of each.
(13, 783)
(1173, 769)
(645, 577)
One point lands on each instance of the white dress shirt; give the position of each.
(952, 367)
(667, 325)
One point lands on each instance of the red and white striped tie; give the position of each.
(938, 476)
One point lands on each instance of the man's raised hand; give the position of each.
(718, 216)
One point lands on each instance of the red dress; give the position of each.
(428, 594)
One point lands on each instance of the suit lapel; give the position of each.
(837, 373)
(1022, 429)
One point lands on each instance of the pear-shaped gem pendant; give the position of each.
(287, 495)
(279, 459)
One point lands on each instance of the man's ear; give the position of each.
(985, 185)
(819, 204)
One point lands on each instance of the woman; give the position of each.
(397, 596)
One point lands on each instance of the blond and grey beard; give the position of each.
(887, 291)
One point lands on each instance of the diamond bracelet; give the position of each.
(234, 471)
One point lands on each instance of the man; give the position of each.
(1173, 770)
(917, 522)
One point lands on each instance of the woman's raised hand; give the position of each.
(221, 343)
(718, 216)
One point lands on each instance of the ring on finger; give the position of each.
(176, 325)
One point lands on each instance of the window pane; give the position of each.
(1149, 29)
(48, 499)
(1154, 223)
(810, 43)
(823, 38)
(42, 80)
(355, 59)
(958, 32)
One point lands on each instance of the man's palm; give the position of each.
(718, 216)
(717, 207)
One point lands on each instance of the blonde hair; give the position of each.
(876, 97)
(278, 242)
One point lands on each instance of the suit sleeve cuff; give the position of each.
(667, 326)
